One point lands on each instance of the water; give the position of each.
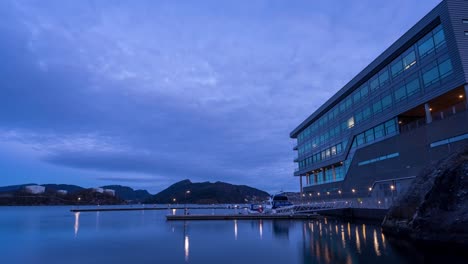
(55, 235)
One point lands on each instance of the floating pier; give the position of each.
(75, 210)
(241, 217)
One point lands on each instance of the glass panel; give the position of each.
(400, 94)
(412, 87)
(445, 68)
(431, 76)
(409, 60)
(366, 113)
(358, 117)
(350, 122)
(364, 91)
(425, 47)
(387, 102)
(377, 107)
(360, 139)
(397, 68)
(439, 37)
(390, 127)
(357, 96)
(383, 77)
(369, 134)
(374, 83)
(379, 131)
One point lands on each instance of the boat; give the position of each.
(271, 206)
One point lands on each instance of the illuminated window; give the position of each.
(351, 122)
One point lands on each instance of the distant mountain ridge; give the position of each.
(129, 194)
(208, 193)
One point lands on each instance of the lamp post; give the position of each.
(185, 196)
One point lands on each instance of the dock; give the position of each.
(242, 217)
(76, 210)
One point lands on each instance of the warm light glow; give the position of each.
(358, 240)
(173, 211)
(77, 222)
(174, 200)
(399, 122)
(353, 190)
(376, 244)
(261, 229)
(460, 96)
(235, 229)
(430, 109)
(370, 189)
(79, 198)
(186, 247)
(392, 187)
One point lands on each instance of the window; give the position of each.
(364, 91)
(386, 102)
(366, 113)
(348, 102)
(369, 134)
(333, 150)
(377, 107)
(358, 117)
(426, 46)
(374, 83)
(409, 60)
(431, 76)
(390, 127)
(357, 96)
(412, 87)
(400, 94)
(350, 122)
(360, 139)
(397, 68)
(338, 148)
(445, 68)
(383, 77)
(439, 38)
(379, 131)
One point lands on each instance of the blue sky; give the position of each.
(147, 93)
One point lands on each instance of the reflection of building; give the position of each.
(62, 192)
(402, 112)
(99, 190)
(35, 189)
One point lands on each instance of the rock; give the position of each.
(435, 209)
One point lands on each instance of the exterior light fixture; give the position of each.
(318, 194)
(460, 96)
(430, 109)
(310, 194)
(400, 122)
(353, 190)
(392, 187)
(328, 193)
(339, 191)
(370, 189)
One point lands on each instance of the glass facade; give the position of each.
(414, 72)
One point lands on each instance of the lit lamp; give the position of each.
(353, 190)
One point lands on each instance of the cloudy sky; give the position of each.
(147, 93)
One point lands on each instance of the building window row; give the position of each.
(381, 158)
(328, 174)
(428, 44)
(376, 133)
(449, 140)
(322, 155)
(412, 86)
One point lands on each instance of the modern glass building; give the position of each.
(405, 110)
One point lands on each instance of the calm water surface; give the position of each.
(55, 235)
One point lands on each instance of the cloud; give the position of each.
(202, 90)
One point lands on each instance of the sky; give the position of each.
(148, 93)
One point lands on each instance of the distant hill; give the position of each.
(13, 188)
(208, 193)
(128, 194)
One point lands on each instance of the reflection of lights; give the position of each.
(261, 229)
(235, 229)
(358, 241)
(349, 230)
(186, 247)
(310, 194)
(343, 241)
(336, 229)
(383, 240)
(364, 232)
(326, 221)
(77, 222)
(376, 244)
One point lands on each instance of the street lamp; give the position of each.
(185, 196)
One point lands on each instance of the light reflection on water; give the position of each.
(136, 237)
